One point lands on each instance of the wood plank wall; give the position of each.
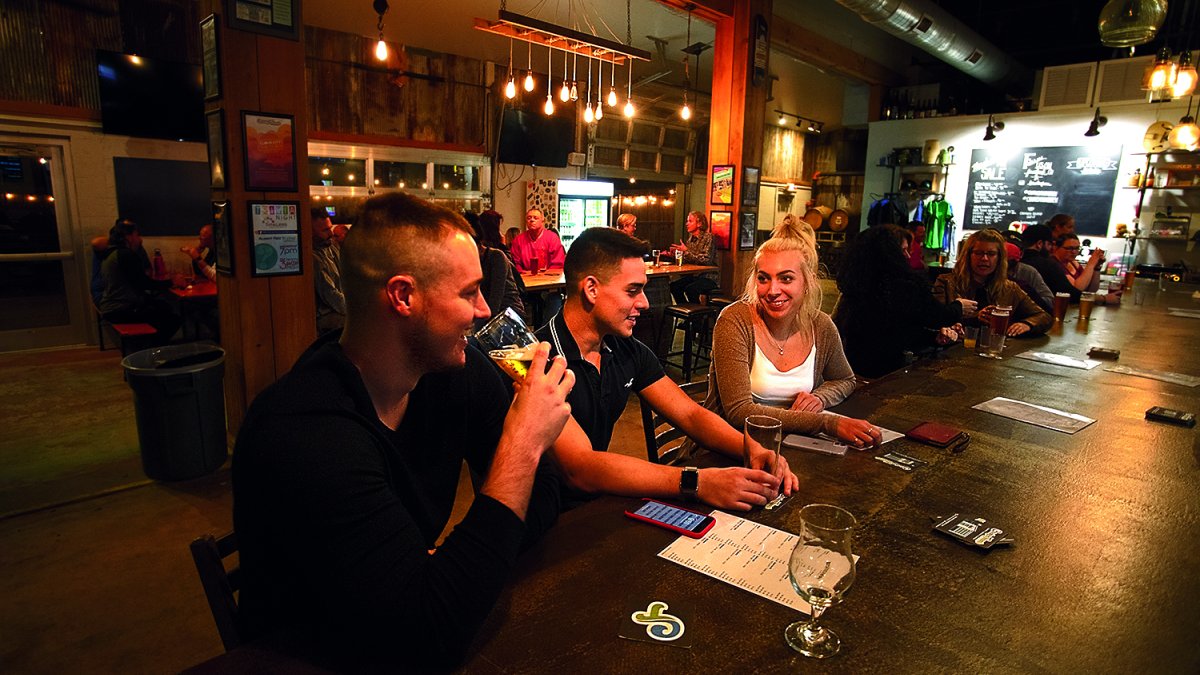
(442, 99)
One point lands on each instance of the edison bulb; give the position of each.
(574, 91)
(599, 111)
(529, 81)
(381, 50)
(629, 108)
(564, 94)
(588, 115)
(612, 97)
(1185, 82)
(685, 112)
(1185, 135)
(510, 89)
(549, 107)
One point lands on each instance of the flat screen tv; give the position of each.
(537, 139)
(150, 98)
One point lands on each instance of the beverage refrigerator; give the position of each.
(582, 204)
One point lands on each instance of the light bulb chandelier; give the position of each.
(381, 50)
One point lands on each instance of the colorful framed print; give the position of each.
(215, 122)
(719, 223)
(270, 148)
(275, 238)
(722, 185)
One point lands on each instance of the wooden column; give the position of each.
(736, 131)
(266, 322)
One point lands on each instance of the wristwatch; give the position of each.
(689, 482)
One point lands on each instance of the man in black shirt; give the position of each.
(345, 470)
(1038, 243)
(605, 294)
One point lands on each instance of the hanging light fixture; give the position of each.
(782, 119)
(992, 127)
(548, 108)
(1185, 135)
(599, 87)
(1128, 23)
(381, 50)
(685, 113)
(1097, 121)
(1163, 71)
(612, 85)
(1185, 76)
(588, 115)
(574, 76)
(510, 89)
(629, 111)
(564, 94)
(529, 83)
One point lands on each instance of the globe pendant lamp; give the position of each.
(1128, 23)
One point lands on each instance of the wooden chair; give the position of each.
(663, 440)
(694, 319)
(220, 585)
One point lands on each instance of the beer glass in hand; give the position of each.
(509, 342)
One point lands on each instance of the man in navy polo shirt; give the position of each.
(606, 279)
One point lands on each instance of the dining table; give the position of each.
(555, 280)
(1101, 574)
(197, 302)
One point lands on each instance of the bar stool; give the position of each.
(694, 319)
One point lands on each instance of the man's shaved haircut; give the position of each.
(599, 252)
(396, 233)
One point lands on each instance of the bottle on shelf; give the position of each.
(1136, 179)
(158, 266)
(1148, 181)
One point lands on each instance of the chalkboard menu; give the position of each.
(1032, 184)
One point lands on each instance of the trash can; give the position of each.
(179, 403)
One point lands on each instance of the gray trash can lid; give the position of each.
(174, 359)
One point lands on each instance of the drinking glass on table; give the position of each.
(679, 257)
(1061, 300)
(970, 335)
(654, 257)
(821, 570)
(509, 342)
(998, 323)
(759, 433)
(1086, 302)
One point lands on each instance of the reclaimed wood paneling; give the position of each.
(437, 98)
(783, 155)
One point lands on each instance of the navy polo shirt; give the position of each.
(599, 398)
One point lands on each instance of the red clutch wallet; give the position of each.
(936, 434)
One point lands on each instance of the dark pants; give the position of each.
(689, 289)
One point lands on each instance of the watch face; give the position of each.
(689, 480)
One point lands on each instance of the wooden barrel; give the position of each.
(817, 215)
(838, 220)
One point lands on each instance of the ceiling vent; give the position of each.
(1067, 86)
(1120, 81)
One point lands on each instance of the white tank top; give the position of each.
(773, 387)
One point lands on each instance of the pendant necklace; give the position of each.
(770, 337)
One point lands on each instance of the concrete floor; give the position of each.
(95, 570)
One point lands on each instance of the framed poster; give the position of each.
(719, 223)
(270, 148)
(222, 238)
(747, 228)
(722, 185)
(750, 176)
(215, 122)
(269, 17)
(210, 58)
(275, 238)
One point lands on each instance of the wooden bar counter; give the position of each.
(1103, 576)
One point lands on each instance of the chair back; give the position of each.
(220, 585)
(663, 440)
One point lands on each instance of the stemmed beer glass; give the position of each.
(509, 342)
(821, 569)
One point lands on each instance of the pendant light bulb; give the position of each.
(1185, 77)
(629, 109)
(381, 51)
(588, 115)
(529, 80)
(612, 97)
(549, 107)
(564, 94)
(599, 111)
(685, 112)
(574, 94)
(510, 89)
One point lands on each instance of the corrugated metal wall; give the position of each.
(48, 47)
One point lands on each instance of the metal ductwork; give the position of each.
(925, 25)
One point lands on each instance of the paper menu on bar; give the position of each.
(742, 553)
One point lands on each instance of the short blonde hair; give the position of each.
(625, 220)
(791, 226)
(808, 308)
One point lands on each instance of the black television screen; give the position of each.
(150, 98)
(535, 138)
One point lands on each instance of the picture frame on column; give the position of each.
(278, 19)
(215, 124)
(269, 142)
(222, 237)
(274, 238)
(720, 223)
(722, 185)
(750, 179)
(210, 56)
(747, 229)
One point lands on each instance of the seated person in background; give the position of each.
(327, 275)
(1085, 277)
(501, 287)
(535, 243)
(1038, 254)
(981, 274)
(339, 232)
(697, 249)
(627, 223)
(606, 279)
(203, 255)
(489, 232)
(346, 469)
(886, 309)
(99, 247)
(775, 353)
(1028, 278)
(130, 295)
(1061, 224)
(510, 235)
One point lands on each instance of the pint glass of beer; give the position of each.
(1061, 300)
(1086, 302)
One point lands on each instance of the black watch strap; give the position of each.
(689, 482)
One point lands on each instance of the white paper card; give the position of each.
(1059, 360)
(1037, 415)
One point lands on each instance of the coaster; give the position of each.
(900, 460)
(971, 530)
(657, 621)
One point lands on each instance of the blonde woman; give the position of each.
(775, 353)
(792, 226)
(627, 223)
(981, 274)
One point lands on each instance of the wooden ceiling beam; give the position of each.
(708, 10)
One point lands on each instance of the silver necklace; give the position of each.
(770, 337)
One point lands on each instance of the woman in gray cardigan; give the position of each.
(776, 353)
